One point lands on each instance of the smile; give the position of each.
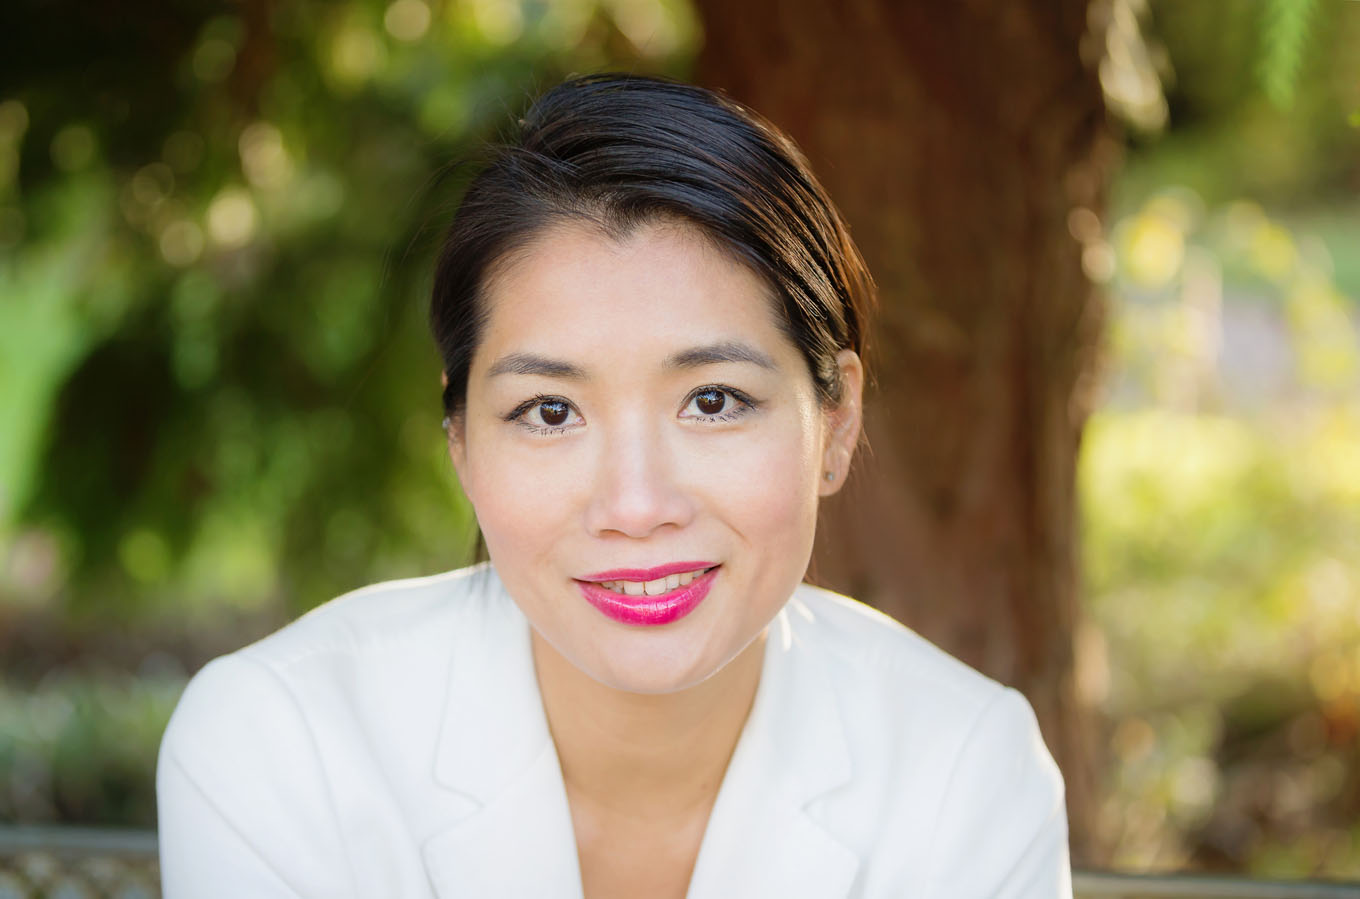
(652, 596)
(654, 587)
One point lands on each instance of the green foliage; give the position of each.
(215, 270)
(1222, 546)
(1226, 137)
(216, 228)
(1284, 38)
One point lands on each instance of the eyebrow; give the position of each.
(717, 353)
(710, 354)
(531, 364)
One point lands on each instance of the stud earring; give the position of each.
(829, 476)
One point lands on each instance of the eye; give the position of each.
(546, 415)
(717, 404)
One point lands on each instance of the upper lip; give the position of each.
(646, 574)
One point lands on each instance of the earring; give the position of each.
(446, 422)
(829, 476)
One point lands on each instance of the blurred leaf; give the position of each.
(1284, 35)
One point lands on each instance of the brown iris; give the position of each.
(710, 402)
(554, 412)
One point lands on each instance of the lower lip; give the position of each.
(649, 611)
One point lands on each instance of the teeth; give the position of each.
(652, 588)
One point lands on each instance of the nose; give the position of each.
(638, 487)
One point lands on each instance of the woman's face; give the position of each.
(633, 409)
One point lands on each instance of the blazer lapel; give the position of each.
(514, 837)
(761, 840)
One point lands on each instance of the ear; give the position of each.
(843, 423)
(454, 432)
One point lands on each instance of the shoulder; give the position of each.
(906, 685)
(345, 659)
(867, 650)
(944, 755)
(375, 619)
(270, 745)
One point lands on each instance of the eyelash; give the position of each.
(517, 415)
(745, 404)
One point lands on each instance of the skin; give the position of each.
(626, 468)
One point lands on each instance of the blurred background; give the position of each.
(219, 403)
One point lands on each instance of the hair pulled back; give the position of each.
(621, 151)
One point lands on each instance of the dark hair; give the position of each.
(620, 151)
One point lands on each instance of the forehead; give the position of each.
(574, 286)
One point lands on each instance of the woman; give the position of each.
(650, 318)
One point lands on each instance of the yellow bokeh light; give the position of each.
(1084, 225)
(1153, 249)
(648, 25)
(1334, 460)
(407, 20)
(500, 22)
(356, 54)
(1273, 252)
(1180, 206)
(264, 159)
(1098, 261)
(145, 556)
(232, 219)
(152, 184)
(181, 242)
(564, 22)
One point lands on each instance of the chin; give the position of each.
(654, 664)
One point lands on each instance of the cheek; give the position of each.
(520, 496)
(769, 485)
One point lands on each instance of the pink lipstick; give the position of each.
(649, 610)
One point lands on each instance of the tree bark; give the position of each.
(958, 139)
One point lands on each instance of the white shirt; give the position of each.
(392, 743)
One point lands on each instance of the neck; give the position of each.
(646, 753)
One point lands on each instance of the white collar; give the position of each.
(515, 838)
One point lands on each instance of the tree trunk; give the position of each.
(966, 144)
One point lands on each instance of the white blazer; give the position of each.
(392, 743)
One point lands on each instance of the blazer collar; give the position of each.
(494, 726)
(763, 839)
(514, 836)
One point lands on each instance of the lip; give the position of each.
(646, 574)
(650, 611)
